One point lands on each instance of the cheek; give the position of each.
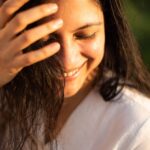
(94, 49)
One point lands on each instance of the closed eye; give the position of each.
(84, 36)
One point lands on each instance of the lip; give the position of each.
(76, 74)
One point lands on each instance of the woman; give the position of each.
(106, 91)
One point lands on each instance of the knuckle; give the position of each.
(19, 21)
(29, 60)
(26, 37)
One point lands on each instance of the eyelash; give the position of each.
(84, 36)
(54, 37)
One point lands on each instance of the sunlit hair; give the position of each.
(30, 104)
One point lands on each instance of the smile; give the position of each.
(73, 73)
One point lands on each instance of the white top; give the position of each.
(98, 125)
(123, 124)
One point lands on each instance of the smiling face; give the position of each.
(82, 40)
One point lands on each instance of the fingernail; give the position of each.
(51, 7)
(58, 23)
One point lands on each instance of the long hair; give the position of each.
(35, 96)
(122, 64)
(30, 103)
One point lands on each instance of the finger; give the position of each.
(30, 36)
(22, 20)
(8, 8)
(32, 57)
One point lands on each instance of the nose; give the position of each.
(70, 54)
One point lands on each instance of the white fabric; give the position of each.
(123, 124)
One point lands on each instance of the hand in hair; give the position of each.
(13, 38)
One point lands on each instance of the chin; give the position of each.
(70, 91)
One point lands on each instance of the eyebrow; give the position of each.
(87, 25)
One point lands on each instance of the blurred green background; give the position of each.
(138, 13)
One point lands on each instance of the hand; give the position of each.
(12, 59)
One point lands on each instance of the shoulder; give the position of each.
(127, 118)
(136, 115)
(130, 108)
(132, 96)
(129, 102)
(128, 111)
(134, 103)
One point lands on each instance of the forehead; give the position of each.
(76, 13)
(76, 9)
(75, 4)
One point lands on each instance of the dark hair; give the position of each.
(29, 101)
(122, 64)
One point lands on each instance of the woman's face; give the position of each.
(82, 40)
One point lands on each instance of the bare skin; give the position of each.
(12, 60)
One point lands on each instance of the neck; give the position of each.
(71, 103)
(82, 93)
